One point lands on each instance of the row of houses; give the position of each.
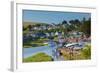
(41, 35)
(44, 27)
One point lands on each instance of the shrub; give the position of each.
(87, 51)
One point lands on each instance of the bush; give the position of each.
(87, 52)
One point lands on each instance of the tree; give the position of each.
(84, 19)
(77, 22)
(24, 28)
(72, 25)
(86, 27)
(30, 27)
(87, 51)
(64, 22)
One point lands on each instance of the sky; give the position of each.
(52, 16)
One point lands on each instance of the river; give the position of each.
(34, 50)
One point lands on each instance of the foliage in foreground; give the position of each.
(87, 51)
(40, 57)
(83, 54)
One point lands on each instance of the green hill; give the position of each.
(25, 24)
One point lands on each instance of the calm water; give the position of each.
(34, 50)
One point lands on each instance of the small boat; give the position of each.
(74, 45)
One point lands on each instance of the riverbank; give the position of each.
(39, 57)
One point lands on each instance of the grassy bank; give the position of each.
(36, 43)
(40, 57)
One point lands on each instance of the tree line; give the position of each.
(66, 26)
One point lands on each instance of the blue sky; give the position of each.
(52, 16)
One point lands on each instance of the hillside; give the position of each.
(33, 23)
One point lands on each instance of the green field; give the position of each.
(40, 57)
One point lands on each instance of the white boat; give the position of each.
(74, 45)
